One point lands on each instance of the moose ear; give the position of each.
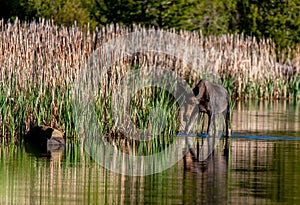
(206, 94)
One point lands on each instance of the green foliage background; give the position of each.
(275, 19)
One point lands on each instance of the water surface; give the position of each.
(262, 166)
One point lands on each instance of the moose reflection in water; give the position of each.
(212, 99)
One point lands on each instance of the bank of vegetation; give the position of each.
(39, 61)
(276, 19)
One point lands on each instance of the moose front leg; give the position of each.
(189, 141)
(212, 129)
(191, 122)
(209, 127)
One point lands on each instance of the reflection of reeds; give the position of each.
(40, 60)
(267, 118)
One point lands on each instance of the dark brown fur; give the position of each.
(43, 137)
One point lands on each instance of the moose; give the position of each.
(211, 99)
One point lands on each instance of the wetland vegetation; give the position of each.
(82, 66)
(39, 61)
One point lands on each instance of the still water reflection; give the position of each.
(255, 170)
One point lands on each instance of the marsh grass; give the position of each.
(40, 60)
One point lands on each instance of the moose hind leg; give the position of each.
(227, 122)
(226, 115)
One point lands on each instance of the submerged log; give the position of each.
(45, 138)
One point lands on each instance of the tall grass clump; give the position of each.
(40, 60)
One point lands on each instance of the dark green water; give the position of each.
(261, 167)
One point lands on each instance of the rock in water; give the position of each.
(45, 138)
